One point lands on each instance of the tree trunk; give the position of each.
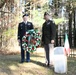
(74, 27)
(70, 29)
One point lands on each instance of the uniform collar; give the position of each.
(47, 21)
(25, 22)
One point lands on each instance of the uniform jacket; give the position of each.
(48, 32)
(22, 28)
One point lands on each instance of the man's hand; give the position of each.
(52, 41)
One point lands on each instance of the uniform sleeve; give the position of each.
(32, 27)
(42, 34)
(18, 36)
(53, 29)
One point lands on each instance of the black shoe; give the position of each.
(27, 60)
(47, 64)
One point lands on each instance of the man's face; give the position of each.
(25, 18)
(46, 17)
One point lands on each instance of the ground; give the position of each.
(9, 65)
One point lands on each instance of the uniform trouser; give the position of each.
(23, 54)
(48, 50)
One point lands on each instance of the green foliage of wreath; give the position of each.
(31, 40)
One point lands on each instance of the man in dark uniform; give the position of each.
(48, 35)
(22, 28)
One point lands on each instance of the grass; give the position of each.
(9, 65)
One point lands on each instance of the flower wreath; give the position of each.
(31, 40)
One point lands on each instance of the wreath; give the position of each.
(31, 40)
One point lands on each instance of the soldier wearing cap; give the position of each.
(22, 28)
(48, 36)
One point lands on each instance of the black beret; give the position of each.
(25, 15)
(46, 13)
